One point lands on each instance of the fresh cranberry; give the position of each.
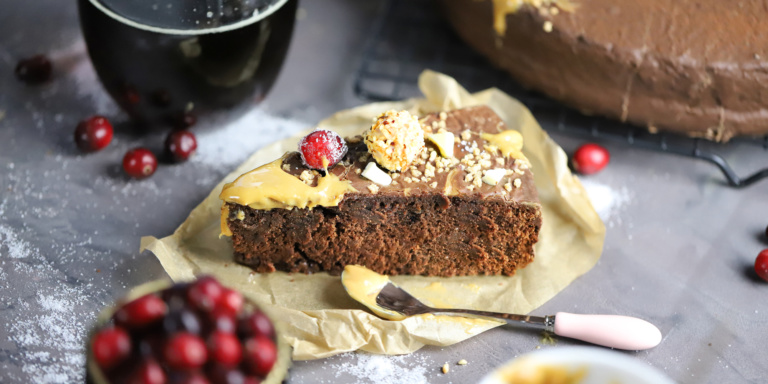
(590, 158)
(225, 348)
(190, 378)
(231, 301)
(182, 320)
(225, 375)
(257, 324)
(161, 98)
(131, 95)
(176, 296)
(252, 380)
(141, 312)
(185, 351)
(761, 264)
(180, 145)
(184, 120)
(223, 321)
(322, 148)
(260, 355)
(34, 70)
(93, 134)
(148, 372)
(204, 293)
(110, 347)
(139, 163)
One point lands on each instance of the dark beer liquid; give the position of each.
(199, 59)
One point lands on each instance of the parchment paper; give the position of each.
(318, 317)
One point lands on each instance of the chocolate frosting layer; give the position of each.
(691, 66)
(467, 125)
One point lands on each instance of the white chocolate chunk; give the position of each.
(493, 176)
(375, 174)
(444, 142)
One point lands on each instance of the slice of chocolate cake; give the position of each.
(461, 202)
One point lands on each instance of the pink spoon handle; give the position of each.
(621, 332)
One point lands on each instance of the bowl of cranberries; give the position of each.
(199, 332)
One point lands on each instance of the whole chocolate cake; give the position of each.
(698, 67)
(461, 202)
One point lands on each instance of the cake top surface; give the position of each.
(485, 161)
(692, 32)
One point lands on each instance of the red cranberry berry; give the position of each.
(205, 293)
(231, 301)
(322, 148)
(148, 372)
(185, 351)
(257, 324)
(761, 264)
(223, 321)
(34, 70)
(191, 378)
(224, 348)
(261, 354)
(590, 158)
(93, 134)
(110, 347)
(180, 145)
(252, 380)
(142, 311)
(182, 320)
(184, 120)
(220, 374)
(161, 98)
(139, 163)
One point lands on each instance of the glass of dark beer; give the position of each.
(159, 59)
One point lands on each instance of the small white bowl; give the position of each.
(577, 365)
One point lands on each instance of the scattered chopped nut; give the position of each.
(358, 171)
(287, 167)
(373, 188)
(462, 362)
(466, 135)
(415, 172)
(434, 184)
(307, 177)
(446, 368)
(547, 26)
(443, 116)
(500, 161)
(508, 186)
(518, 183)
(554, 10)
(240, 215)
(493, 176)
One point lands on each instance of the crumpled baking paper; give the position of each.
(319, 319)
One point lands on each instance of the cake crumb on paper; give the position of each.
(446, 368)
(462, 362)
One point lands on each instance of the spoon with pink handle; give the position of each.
(621, 332)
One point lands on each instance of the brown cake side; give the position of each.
(447, 224)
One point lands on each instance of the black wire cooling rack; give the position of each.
(410, 35)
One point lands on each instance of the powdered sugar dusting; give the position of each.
(607, 201)
(49, 343)
(230, 144)
(361, 367)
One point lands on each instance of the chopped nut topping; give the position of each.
(446, 368)
(443, 116)
(429, 172)
(468, 178)
(518, 183)
(500, 161)
(508, 186)
(307, 177)
(373, 188)
(554, 11)
(407, 179)
(415, 172)
(466, 135)
(358, 171)
(373, 173)
(240, 215)
(547, 26)
(434, 184)
(286, 167)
